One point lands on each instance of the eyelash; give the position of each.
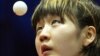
(56, 21)
(39, 28)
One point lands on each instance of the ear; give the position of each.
(90, 35)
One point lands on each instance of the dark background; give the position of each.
(16, 33)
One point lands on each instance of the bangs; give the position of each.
(51, 7)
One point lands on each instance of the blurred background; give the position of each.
(16, 33)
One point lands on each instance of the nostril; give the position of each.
(44, 38)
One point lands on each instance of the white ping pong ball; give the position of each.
(20, 8)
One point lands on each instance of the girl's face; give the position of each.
(57, 38)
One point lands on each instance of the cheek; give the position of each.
(65, 34)
(65, 40)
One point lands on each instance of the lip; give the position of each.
(45, 49)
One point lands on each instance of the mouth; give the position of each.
(45, 49)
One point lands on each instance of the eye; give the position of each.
(39, 28)
(56, 22)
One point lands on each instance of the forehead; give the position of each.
(49, 17)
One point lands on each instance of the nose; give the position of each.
(45, 35)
